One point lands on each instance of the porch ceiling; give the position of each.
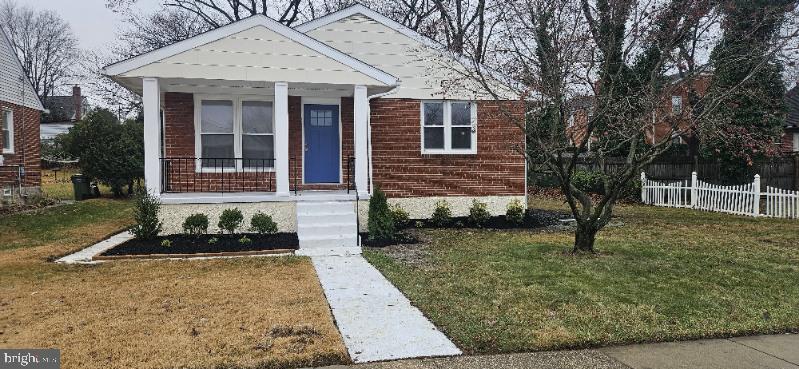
(263, 88)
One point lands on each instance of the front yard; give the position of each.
(663, 274)
(249, 312)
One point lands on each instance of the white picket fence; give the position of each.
(741, 199)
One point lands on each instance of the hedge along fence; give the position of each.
(741, 199)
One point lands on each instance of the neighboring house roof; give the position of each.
(15, 87)
(792, 105)
(425, 67)
(257, 48)
(62, 109)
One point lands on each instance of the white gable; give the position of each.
(14, 86)
(255, 49)
(424, 69)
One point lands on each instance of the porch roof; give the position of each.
(251, 51)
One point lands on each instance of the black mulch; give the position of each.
(401, 238)
(185, 244)
(533, 218)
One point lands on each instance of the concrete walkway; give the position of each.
(376, 321)
(85, 256)
(756, 352)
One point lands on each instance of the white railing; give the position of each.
(741, 199)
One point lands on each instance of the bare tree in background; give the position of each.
(217, 13)
(621, 53)
(44, 44)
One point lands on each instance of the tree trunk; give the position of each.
(584, 237)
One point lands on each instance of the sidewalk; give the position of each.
(766, 352)
(377, 322)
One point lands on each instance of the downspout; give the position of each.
(369, 130)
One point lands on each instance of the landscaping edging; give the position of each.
(205, 245)
(273, 252)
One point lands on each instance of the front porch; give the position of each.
(253, 144)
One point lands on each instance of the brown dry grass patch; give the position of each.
(245, 313)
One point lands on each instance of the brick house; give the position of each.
(20, 112)
(675, 105)
(300, 122)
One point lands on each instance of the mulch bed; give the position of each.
(534, 218)
(200, 245)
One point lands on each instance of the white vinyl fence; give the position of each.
(741, 199)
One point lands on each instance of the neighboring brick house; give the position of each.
(673, 106)
(62, 113)
(272, 117)
(20, 113)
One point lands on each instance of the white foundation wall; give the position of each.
(283, 213)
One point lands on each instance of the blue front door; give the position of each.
(322, 155)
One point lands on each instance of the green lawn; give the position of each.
(663, 274)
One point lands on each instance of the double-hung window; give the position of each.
(676, 105)
(257, 134)
(449, 127)
(235, 133)
(7, 118)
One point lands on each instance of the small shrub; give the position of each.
(515, 212)
(400, 216)
(442, 216)
(381, 222)
(459, 224)
(213, 241)
(230, 220)
(145, 213)
(589, 182)
(244, 240)
(196, 224)
(263, 224)
(478, 214)
(166, 243)
(419, 224)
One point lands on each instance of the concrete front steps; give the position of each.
(327, 227)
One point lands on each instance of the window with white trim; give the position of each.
(8, 131)
(676, 105)
(449, 127)
(232, 128)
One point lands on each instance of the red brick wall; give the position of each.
(401, 170)
(27, 147)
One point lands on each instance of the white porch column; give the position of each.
(282, 138)
(151, 101)
(361, 119)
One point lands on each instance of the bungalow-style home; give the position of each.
(301, 122)
(20, 111)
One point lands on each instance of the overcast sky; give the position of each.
(93, 23)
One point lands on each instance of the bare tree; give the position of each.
(44, 44)
(620, 53)
(217, 13)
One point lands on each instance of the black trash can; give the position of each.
(81, 187)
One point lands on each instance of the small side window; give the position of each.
(676, 105)
(8, 131)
